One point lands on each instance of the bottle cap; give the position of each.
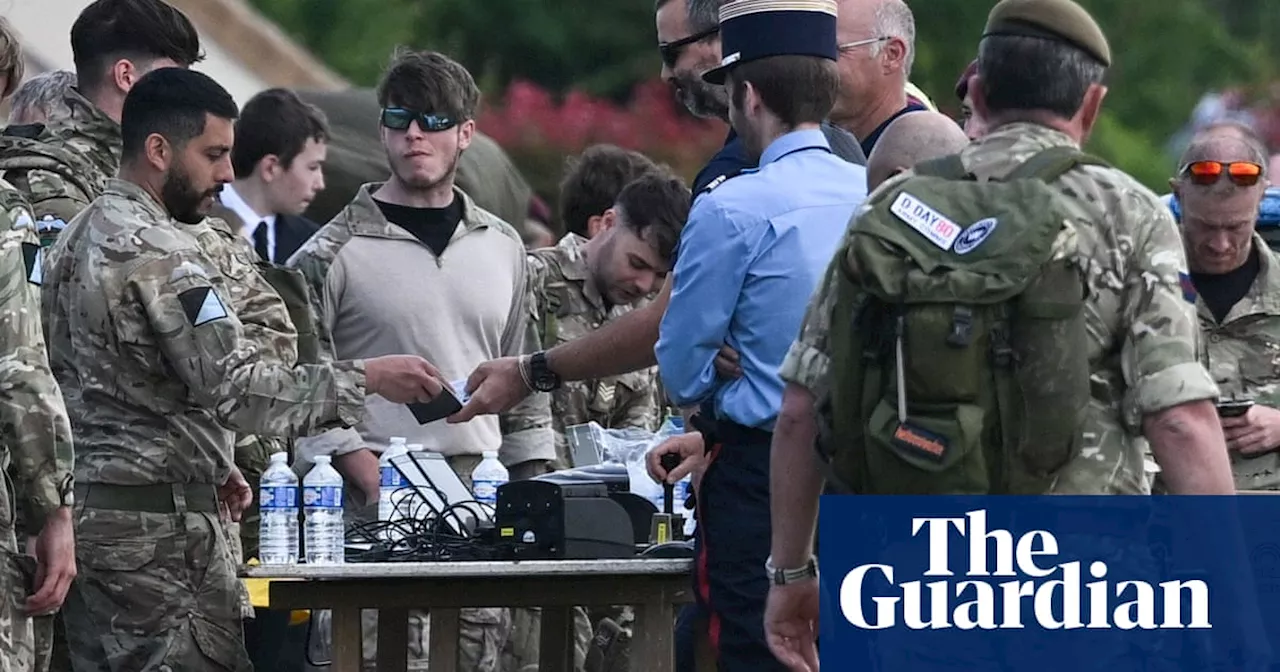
(322, 459)
(280, 457)
(398, 439)
(415, 447)
(490, 454)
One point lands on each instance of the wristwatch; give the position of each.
(542, 378)
(782, 577)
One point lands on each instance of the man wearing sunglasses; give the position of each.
(1219, 186)
(689, 42)
(413, 265)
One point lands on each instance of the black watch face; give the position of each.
(546, 382)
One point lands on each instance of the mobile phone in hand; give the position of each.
(1233, 409)
(450, 401)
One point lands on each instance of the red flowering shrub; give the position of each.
(539, 133)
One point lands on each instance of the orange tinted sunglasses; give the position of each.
(1242, 173)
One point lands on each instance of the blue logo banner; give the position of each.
(1048, 584)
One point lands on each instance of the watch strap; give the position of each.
(782, 577)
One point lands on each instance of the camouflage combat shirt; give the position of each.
(160, 362)
(570, 306)
(77, 126)
(33, 417)
(1144, 336)
(1243, 356)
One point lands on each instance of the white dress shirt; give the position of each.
(235, 203)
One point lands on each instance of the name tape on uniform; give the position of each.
(929, 222)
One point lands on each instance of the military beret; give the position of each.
(1059, 20)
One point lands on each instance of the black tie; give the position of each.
(260, 241)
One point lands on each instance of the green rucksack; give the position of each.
(958, 336)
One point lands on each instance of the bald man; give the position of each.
(910, 139)
(1236, 276)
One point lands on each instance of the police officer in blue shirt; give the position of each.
(752, 253)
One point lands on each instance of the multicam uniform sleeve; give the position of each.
(54, 200)
(526, 428)
(1161, 331)
(640, 408)
(204, 342)
(32, 413)
(315, 261)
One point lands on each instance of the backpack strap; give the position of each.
(1050, 164)
(946, 167)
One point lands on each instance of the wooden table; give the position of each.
(652, 586)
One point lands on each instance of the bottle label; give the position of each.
(486, 490)
(278, 497)
(392, 478)
(322, 496)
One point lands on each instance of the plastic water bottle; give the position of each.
(322, 506)
(391, 480)
(278, 506)
(489, 474)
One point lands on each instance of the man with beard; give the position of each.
(413, 264)
(148, 340)
(114, 42)
(688, 39)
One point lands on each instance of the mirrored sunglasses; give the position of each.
(1241, 173)
(398, 119)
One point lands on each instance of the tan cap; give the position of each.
(1060, 20)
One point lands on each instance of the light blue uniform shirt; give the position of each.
(752, 253)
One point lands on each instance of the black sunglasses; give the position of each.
(671, 50)
(398, 119)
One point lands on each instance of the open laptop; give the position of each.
(442, 491)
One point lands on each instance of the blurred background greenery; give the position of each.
(1168, 54)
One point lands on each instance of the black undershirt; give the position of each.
(433, 226)
(1223, 291)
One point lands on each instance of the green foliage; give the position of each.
(1166, 52)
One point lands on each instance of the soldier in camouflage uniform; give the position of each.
(141, 332)
(38, 450)
(1146, 380)
(1237, 278)
(87, 124)
(582, 284)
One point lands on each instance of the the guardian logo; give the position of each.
(1038, 592)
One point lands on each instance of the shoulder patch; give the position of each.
(32, 261)
(714, 183)
(1189, 293)
(928, 222)
(975, 235)
(23, 220)
(202, 306)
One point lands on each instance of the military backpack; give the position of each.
(24, 148)
(958, 335)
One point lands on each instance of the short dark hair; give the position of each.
(655, 207)
(798, 89)
(108, 30)
(174, 102)
(428, 81)
(1023, 74)
(703, 14)
(593, 180)
(275, 121)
